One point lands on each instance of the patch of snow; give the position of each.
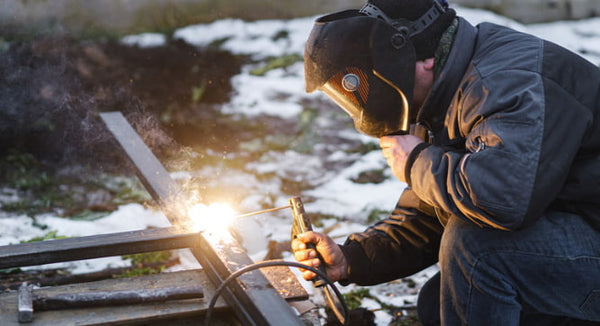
(145, 40)
(274, 94)
(129, 217)
(340, 196)
(15, 229)
(261, 38)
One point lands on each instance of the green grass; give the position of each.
(52, 235)
(38, 189)
(276, 63)
(140, 263)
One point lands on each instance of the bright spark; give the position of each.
(216, 217)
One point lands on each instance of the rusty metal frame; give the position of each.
(94, 246)
(252, 297)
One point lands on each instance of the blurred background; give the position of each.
(24, 17)
(216, 89)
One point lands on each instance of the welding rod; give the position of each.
(263, 211)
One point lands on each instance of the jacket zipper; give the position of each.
(430, 139)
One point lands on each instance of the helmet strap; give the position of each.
(414, 27)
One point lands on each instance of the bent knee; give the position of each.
(464, 242)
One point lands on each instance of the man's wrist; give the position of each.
(344, 270)
(354, 263)
(344, 274)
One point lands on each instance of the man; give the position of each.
(502, 163)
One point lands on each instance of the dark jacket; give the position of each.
(514, 132)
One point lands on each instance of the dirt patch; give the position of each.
(51, 90)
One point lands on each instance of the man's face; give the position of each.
(423, 81)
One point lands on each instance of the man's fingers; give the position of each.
(314, 263)
(308, 237)
(386, 152)
(297, 244)
(385, 141)
(302, 255)
(308, 275)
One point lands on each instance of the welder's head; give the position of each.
(364, 60)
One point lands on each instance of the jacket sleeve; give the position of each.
(518, 151)
(399, 246)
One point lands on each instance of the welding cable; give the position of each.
(271, 263)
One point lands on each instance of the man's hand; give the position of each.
(335, 262)
(396, 149)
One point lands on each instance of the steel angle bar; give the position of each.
(94, 246)
(252, 297)
(150, 171)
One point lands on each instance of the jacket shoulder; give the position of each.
(501, 48)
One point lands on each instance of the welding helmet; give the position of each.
(365, 62)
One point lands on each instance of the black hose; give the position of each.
(271, 263)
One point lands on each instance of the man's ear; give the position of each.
(428, 63)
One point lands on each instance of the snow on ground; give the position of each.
(340, 196)
(130, 217)
(335, 194)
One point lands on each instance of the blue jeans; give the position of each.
(546, 273)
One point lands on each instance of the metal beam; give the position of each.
(95, 246)
(153, 175)
(251, 296)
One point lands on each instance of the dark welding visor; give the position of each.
(366, 66)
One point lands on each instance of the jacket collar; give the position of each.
(433, 111)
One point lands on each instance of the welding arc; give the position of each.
(342, 316)
(263, 211)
